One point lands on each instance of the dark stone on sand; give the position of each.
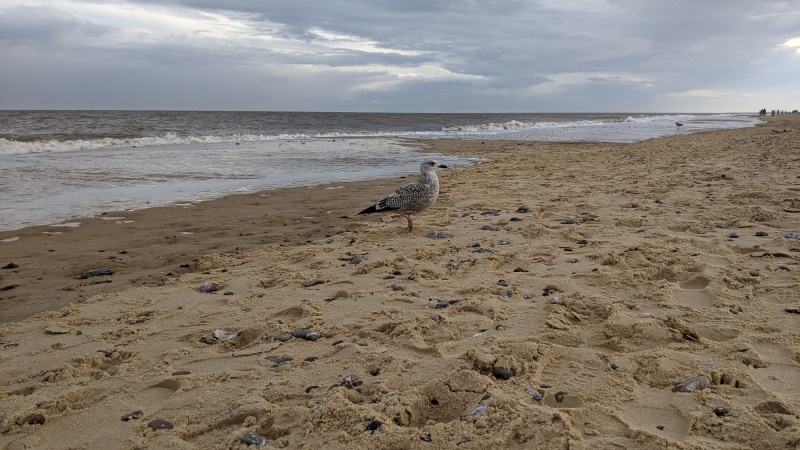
(660, 427)
(515, 219)
(357, 260)
(228, 293)
(312, 336)
(209, 340)
(523, 209)
(35, 419)
(503, 373)
(374, 370)
(793, 310)
(427, 437)
(721, 411)
(397, 273)
(502, 283)
(132, 415)
(475, 245)
(10, 265)
(568, 222)
(488, 228)
(520, 269)
(254, 439)
(692, 385)
(337, 342)
(96, 273)
(734, 235)
(441, 305)
(551, 288)
(614, 366)
(762, 234)
(374, 426)
(160, 424)
(300, 334)
(782, 269)
(452, 265)
(282, 337)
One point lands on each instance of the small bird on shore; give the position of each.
(678, 124)
(413, 197)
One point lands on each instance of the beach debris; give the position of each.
(692, 385)
(223, 335)
(96, 273)
(793, 310)
(791, 236)
(351, 381)
(254, 439)
(734, 235)
(503, 373)
(10, 265)
(309, 283)
(209, 286)
(435, 235)
(480, 409)
(523, 209)
(159, 424)
(373, 426)
(488, 228)
(721, 411)
(279, 359)
(132, 415)
(57, 329)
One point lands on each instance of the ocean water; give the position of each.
(56, 166)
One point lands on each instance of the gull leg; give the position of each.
(410, 221)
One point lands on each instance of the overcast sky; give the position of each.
(401, 55)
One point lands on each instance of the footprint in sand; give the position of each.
(782, 372)
(693, 293)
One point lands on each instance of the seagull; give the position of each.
(678, 124)
(413, 197)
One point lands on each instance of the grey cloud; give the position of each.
(43, 24)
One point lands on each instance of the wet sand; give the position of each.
(638, 266)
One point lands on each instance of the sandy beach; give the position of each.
(558, 295)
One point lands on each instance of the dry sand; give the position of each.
(568, 327)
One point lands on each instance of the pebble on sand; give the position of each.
(254, 439)
(159, 424)
(692, 385)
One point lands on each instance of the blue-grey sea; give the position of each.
(56, 166)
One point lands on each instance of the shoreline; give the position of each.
(648, 299)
